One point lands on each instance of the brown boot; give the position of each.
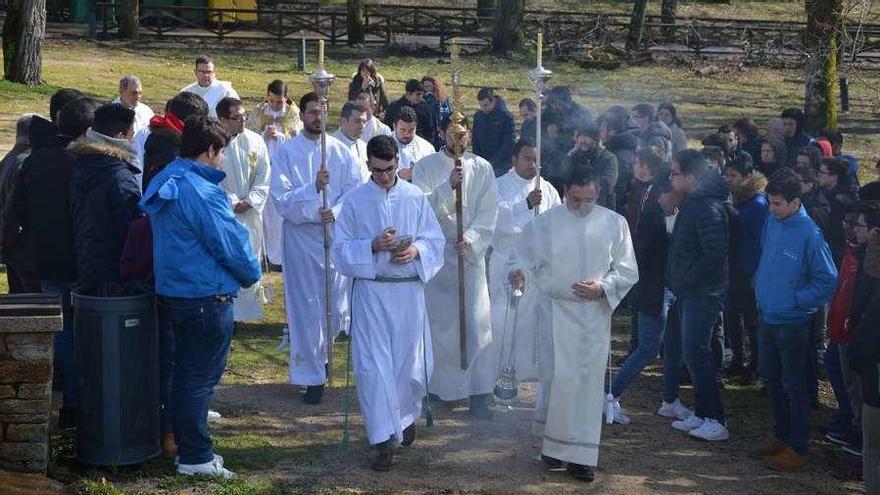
(169, 446)
(788, 461)
(769, 449)
(383, 459)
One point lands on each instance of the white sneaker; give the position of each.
(692, 423)
(213, 468)
(711, 431)
(213, 415)
(675, 410)
(620, 417)
(217, 458)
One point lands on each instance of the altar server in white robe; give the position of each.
(438, 177)
(246, 165)
(520, 201)
(584, 264)
(389, 242)
(373, 127)
(277, 120)
(207, 86)
(351, 126)
(410, 147)
(295, 190)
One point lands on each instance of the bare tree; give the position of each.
(508, 34)
(667, 17)
(355, 18)
(128, 18)
(23, 32)
(822, 43)
(636, 26)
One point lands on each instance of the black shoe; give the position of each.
(409, 435)
(552, 463)
(383, 459)
(479, 407)
(313, 394)
(581, 472)
(66, 418)
(342, 337)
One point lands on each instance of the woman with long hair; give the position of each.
(441, 108)
(667, 114)
(368, 79)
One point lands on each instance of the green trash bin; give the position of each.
(117, 362)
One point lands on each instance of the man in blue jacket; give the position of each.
(796, 276)
(202, 257)
(494, 131)
(697, 276)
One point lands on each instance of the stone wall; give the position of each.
(25, 391)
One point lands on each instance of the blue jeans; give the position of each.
(782, 359)
(64, 340)
(672, 354)
(838, 384)
(650, 334)
(202, 334)
(697, 318)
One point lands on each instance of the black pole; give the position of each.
(844, 94)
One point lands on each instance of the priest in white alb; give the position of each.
(130, 91)
(389, 242)
(208, 86)
(351, 126)
(583, 262)
(520, 201)
(246, 165)
(295, 188)
(438, 177)
(410, 146)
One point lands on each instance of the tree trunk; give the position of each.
(822, 43)
(355, 19)
(23, 32)
(636, 26)
(128, 19)
(667, 17)
(486, 8)
(508, 26)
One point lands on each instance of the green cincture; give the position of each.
(395, 280)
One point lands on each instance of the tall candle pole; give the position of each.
(539, 76)
(322, 80)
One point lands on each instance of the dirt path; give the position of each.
(461, 455)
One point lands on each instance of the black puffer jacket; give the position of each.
(44, 205)
(840, 198)
(651, 243)
(493, 136)
(105, 195)
(864, 348)
(624, 147)
(10, 226)
(699, 245)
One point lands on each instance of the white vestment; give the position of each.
(287, 124)
(246, 164)
(358, 148)
(375, 127)
(408, 154)
(513, 216)
(212, 94)
(389, 326)
(138, 142)
(479, 210)
(142, 115)
(562, 249)
(297, 200)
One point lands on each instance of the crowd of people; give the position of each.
(754, 255)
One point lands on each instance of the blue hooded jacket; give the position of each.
(199, 248)
(796, 275)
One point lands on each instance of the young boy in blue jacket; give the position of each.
(202, 257)
(796, 276)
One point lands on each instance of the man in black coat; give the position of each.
(697, 275)
(21, 269)
(793, 134)
(494, 131)
(425, 127)
(623, 144)
(589, 152)
(105, 196)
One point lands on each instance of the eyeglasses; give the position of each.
(384, 171)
